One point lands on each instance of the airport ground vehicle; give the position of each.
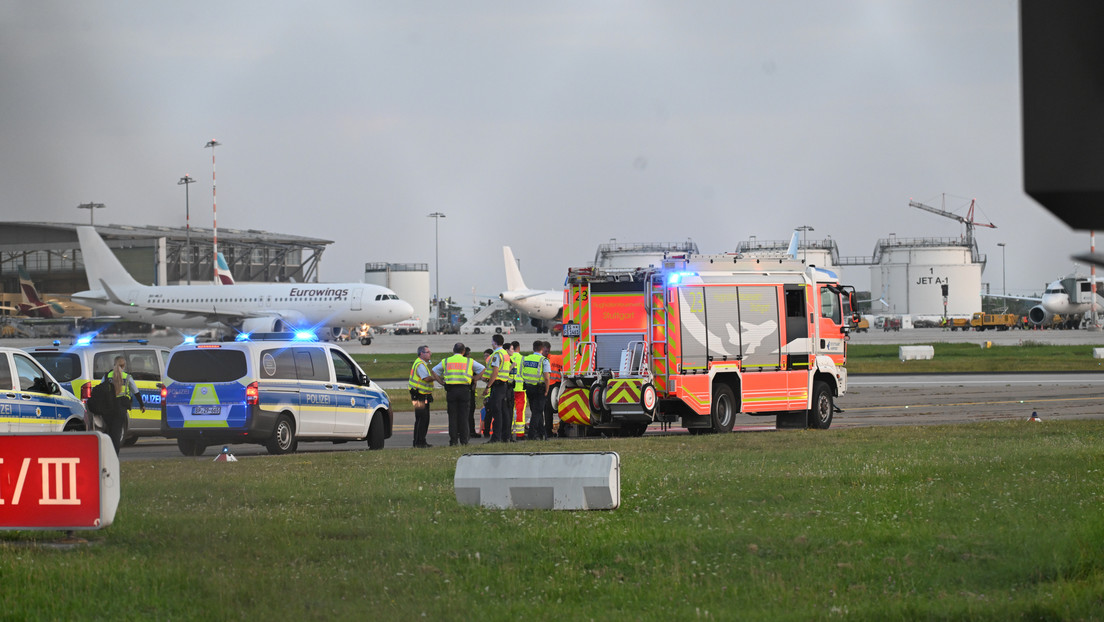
(862, 325)
(79, 366)
(486, 329)
(702, 338)
(958, 323)
(31, 400)
(273, 390)
(995, 321)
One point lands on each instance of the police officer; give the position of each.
(458, 372)
(475, 433)
(535, 371)
(421, 394)
(498, 391)
(125, 391)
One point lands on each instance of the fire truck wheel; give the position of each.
(820, 416)
(648, 399)
(596, 403)
(724, 408)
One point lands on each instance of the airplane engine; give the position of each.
(265, 325)
(1038, 316)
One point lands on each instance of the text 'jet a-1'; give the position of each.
(245, 307)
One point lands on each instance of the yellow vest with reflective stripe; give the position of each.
(532, 368)
(515, 371)
(458, 369)
(503, 363)
(126, 385)
(422, 385)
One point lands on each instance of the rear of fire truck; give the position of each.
(700, 339)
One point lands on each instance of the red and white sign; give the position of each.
(58, 481)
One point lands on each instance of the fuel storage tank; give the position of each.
(409, 281)
(911, 276)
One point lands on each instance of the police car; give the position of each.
(31, 399)
(81, 365)
(272, 389)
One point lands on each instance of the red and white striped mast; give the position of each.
(214, 206)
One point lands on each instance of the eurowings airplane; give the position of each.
(33, 305)
(1071, 297)
(246, 307)
(542, 304)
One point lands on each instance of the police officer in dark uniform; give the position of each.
(458, 372)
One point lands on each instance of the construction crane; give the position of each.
(968, 220)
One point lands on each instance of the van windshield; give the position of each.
(207, 366)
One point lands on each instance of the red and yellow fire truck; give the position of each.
(702, 338)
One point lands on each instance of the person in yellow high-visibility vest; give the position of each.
(125, 392)
(458, 371)
(535, 371)
(498, 390)
(421, 394)
(519, 390)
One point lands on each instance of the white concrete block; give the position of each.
(544, 481)
(1098, 353)
(916, 353)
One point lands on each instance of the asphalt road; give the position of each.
(871, 400)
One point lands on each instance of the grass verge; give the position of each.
(992, 521)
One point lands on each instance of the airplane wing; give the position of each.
(1004, 297)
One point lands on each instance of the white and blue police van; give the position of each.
(84, 363)
(31, 400)
(273, 389)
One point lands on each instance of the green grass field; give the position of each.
(993, 521)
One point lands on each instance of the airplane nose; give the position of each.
(405, 310)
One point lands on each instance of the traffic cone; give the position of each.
(1034, 416)
(225, 455)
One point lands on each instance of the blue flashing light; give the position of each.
(85, 340)
(305, 335)
(242, 337)
(675, 277)
(189, 339)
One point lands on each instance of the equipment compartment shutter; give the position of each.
(723, 305)
(759, 326)
(610, 346)
(692, 317)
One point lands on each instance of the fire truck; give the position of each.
(700, 339)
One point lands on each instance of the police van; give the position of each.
(31, 399)
(83, 364)
(270, 389)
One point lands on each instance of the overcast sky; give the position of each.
(551, 126)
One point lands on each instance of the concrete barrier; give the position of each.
(545, 481)
(1098, 353)
(916, 353)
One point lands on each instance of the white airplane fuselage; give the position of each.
(298, 304)
(541, 304)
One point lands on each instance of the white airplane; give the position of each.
(542, 304)
(1071, 298)
(246, 307)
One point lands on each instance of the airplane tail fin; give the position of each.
(513, 273)
(224, 276)
(27, 288)
(100, 264)
(792, 251)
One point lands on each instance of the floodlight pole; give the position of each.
(91, 207)
(214, 208)
(184, 181)
(803, 229)
(437, 216)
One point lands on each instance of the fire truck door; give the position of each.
(830, 338)
(798, 346)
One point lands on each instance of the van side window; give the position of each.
(142, 364)
(278, 364)
(103, 362)
(344, 368)
(311, 365)
(5, 375)
(31, 377)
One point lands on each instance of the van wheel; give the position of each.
(375, 432)
(283, 439)
(190, 447)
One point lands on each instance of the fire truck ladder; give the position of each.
(656, 307)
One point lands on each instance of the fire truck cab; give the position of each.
(700, 339)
